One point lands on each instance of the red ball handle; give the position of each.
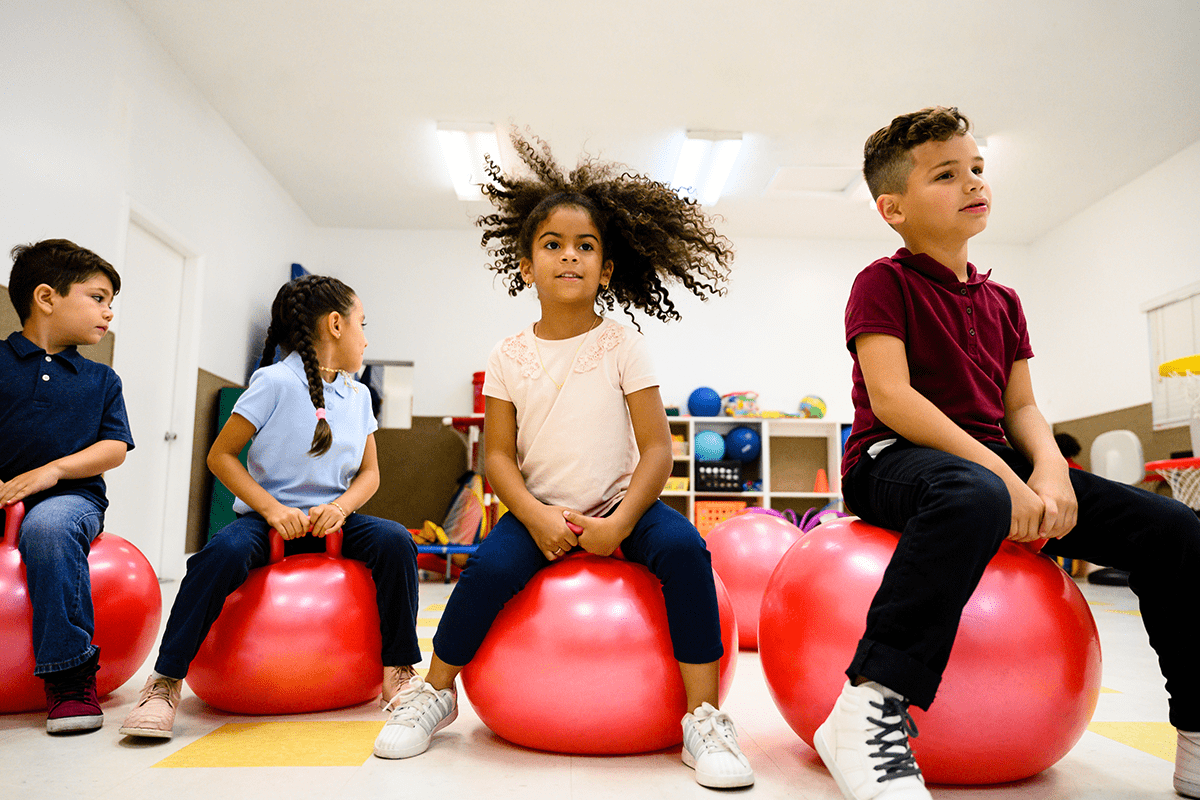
(333, 545)
(13, 515)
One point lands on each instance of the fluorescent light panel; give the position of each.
(463, 147)
(705, 161)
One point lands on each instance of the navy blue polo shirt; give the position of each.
(961, 339)
(52, 406)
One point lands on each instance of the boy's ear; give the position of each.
(44, 297)
(890, 208)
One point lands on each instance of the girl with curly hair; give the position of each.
(577, 441)
(295, 486)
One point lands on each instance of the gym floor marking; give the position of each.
(307, 743)
(1155, 738)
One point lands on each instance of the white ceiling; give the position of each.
(340, 100)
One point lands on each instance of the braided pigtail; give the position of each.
(299, 308)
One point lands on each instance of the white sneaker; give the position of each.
(418, 712)
(1187, 764)
(864, 743)
(710, 747)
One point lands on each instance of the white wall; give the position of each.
(1083, 284)
(96, 116)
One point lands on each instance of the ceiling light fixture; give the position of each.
(464, 145)
(705, 162)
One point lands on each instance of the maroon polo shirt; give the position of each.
(961, 340)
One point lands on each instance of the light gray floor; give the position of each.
(467, 761)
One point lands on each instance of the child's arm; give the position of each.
(603, 535)
(223, 462)
(545, 523)
(327, 516)
(88, 462)
(906, 411)
(1029, 433)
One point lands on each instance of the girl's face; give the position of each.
(566, 264)
(349, 346)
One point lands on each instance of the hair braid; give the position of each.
(299, 306)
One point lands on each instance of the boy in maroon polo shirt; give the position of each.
(949, 448)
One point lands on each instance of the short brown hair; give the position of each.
(887, 162)
(59, 264)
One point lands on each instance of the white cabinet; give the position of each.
(793, 450)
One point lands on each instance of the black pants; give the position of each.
(952, 515)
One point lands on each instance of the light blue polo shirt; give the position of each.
(277, 404)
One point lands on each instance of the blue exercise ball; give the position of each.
(743, 443)
(710, 446)
(704, 402)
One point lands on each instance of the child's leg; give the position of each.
(1157, 540)
(500, 568)
(670, 547)
(390, 553)
(213, 574)
(56, 537)
(952, 515)
(505, 561)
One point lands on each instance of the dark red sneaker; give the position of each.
(71, 702)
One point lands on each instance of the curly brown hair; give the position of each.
(299, 306)
(887, 157)
(651, 234)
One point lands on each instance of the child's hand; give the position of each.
(27, 483)
(1027, 511)
(1053, 486)
(598, 535)
(291, 523)
(550, 532)
(324, 519)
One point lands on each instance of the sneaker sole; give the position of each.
(147, 733)
(420, 747)
(74, 724)
(717, 781)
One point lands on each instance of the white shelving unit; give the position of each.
(793, 449)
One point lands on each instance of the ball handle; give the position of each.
(333, 545)
(13, 515)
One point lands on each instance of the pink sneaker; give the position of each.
(71, 702)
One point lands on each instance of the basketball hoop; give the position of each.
(1187, 369)
(1183, 476)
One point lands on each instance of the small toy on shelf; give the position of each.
(813, 407)
(710, 446)
(743, 443)
(740, 404)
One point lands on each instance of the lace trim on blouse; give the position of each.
(610, 337)
(519, 351)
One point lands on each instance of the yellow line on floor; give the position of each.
(1155, 738)
(436, 607)
(428, 622)
(1131, 612)
(425, 644)
(307, 743)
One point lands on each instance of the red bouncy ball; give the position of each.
(745, 549)
(300, 635)
(1022, 680)
(580, 661)
(127, 610)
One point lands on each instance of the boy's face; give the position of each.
(83, 315)
(946, 197)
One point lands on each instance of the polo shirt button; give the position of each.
(972, 331)
(48, 359)
(962, 290)
(45, 377)
(968, 309)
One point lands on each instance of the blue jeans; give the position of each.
(56, 537)
(663, 540)
(223, 565)
(952, 515)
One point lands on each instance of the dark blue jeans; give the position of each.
(952, 515)
(224, 563)
(56, 537)
(663, 540)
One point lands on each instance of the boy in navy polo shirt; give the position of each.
(63, 423)
(949, 448)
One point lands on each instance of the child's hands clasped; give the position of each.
(324, 519)
(1053, 486)
(598, 535)
(550, 532)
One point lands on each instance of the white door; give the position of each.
(145, 354)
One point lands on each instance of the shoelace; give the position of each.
(159, 690)
(75, 686)
(409, 705)
(900, 764)
(717, 732)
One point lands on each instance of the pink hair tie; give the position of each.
(320, 413)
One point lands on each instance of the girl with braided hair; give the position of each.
(577, 442)
(295, 487)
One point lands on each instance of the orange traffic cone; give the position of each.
(821, 484)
